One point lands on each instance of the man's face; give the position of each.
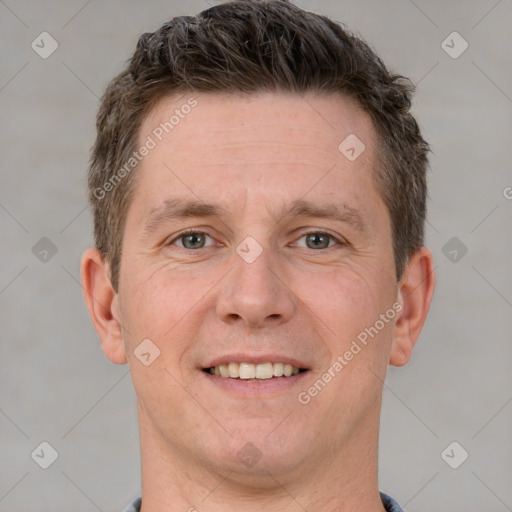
(264, 276)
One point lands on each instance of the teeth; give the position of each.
(264, 371)
(248, 371)
(278, 369)
(234, 370)
(223, 370)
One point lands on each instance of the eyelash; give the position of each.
(301, 234)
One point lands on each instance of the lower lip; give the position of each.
(257, 389)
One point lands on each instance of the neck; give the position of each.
(345, 481)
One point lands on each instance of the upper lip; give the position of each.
(256, 359)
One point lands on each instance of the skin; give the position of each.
(254, 156)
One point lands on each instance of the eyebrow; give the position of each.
(339, 212)
(179, 209)
(173, 209)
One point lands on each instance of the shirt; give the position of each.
(389, 504)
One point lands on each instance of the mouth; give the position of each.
(254, 372)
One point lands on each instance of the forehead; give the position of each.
(211, 145)
(316, 121)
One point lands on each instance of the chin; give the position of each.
(259, 449)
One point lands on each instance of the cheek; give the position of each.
(345, 301)
(347, 306)
(160, 303)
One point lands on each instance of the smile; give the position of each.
(248, 371)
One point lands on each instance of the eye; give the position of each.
(318, 240)
(191, 240)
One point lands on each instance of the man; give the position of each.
(258, 191)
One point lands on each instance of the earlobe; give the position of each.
(415, 294)
(102, 303)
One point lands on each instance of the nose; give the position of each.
(256, 294)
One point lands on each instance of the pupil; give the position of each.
(318, 241)
(193, 240)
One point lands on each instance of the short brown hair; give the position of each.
(246, 47)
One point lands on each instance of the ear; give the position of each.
(103, 305)
(415, 294)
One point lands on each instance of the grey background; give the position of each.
(55, 383)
